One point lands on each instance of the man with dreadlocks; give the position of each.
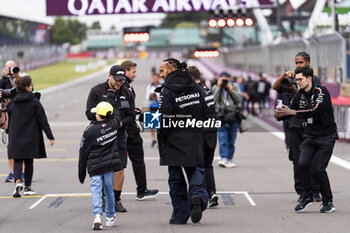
(181, 148)
(294, 127)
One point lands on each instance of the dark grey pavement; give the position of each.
(256, 196)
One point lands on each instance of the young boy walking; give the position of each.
(99, 154)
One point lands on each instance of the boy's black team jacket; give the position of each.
(180, 95)
(125, 105)
(316, 107)
(98, 149)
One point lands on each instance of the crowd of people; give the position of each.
(178, 90)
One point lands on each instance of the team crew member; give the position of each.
(135, 143)
(294, 127)
(313, 103)
(182, 148)
(209, 139)
(125, 107)
(99, 154)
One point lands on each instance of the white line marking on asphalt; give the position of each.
(334, 159)
(37, 203)
(246, 194)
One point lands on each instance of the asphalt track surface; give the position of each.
(256, 196)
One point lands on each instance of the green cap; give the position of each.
(103, 108)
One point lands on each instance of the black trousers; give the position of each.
(136, 155)
(316, 152)
(28, 170)
(295, 137)
(209, 145)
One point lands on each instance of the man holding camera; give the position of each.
(10, 73)
(227, 97)
(294, 127)
(313, 103)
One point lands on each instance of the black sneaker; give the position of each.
(196, 212)
(147, 194)
(18, 190)
(304, 204)
(300, 198)
(327, 207)
(119, 207)
(213, 201)
(28, 192)
(317, 197)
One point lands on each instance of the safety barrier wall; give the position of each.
(328, 57)
(31, 56)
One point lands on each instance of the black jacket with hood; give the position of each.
(181, 95)
(315, 107)
(27, 120)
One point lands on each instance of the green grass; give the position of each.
(51, 75)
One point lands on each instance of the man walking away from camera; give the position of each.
(135, 142)
(227, 97)
(313, 103)
(181, 148)
(209, 139)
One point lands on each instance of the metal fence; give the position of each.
(31, 56)
(328, 57)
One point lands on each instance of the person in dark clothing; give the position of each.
(250, 88)
(125, 107)
(182, 148)
(27, 120)
(294, 127)
(313, 103)
(8, 82)
(209, 139)
(135, 142)
(99, 155)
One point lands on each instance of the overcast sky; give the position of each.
(35, 10)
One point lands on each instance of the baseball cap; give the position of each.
(224, 73)
(103, 108)
(118, 72)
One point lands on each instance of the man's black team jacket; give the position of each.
(180, 95)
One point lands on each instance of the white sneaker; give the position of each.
(110, 221)
(222, 162)
(97, 222)
(230, 164)
(18, 190)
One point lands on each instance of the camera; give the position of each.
(287, 82)
(14, 70)
(8, 93)
(224, 83)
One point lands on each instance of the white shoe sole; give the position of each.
(18, 190)
(147, 197)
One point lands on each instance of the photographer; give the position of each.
(313, 103)
(227, 97)
(10, 74)
(294, 127)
